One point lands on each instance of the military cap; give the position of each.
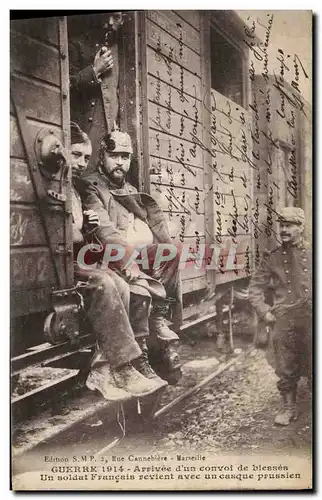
(77, 136)
(118, 142)
(292, 214)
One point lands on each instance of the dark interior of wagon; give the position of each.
(226, 68)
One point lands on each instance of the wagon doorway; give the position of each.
(101, 101)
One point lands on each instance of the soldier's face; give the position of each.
(117, 165)
(114, 21)
(80, 156)
(290, 232)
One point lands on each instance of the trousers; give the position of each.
(291, 347)
(107, 302)
(160, 283)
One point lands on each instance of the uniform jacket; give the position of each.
(113, 207)
(288, 269)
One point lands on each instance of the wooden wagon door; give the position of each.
(40, 226)
(233, 163)
(170, 121)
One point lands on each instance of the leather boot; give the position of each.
(158, 324)
(222, 343)
(139, 316)
(166, 362)
(142, 365)
(134, 382)
(101, 379)
(289, 409)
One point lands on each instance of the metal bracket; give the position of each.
(56, 196)
(50, 152)
(62, 323)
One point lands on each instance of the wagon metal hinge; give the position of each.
(62, 251)
(62, 323)
(56, 196)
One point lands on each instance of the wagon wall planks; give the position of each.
(39, 62)
(233, 168)
(174, 92)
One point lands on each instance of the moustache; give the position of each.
(118, 169)
(285, 234)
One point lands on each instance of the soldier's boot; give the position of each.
(166, 362)
(101, 379)
(289, 409)
(139, 316)
(134, 382)
(142, 365)
(223, 343)
(158, 324)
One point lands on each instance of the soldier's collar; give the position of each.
(300, 244)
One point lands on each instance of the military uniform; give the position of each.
(115, 208)
(288, 270)
(127, 218)
(107, 302)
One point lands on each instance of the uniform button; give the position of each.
(93, 103)
(304, 260)
(287, 271)
(306, 290)
(92, 82)
(289, 291)
(284, 253)
(285, 261)
(90, 119)
(288, 282)
(305, 270)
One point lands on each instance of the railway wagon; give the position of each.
(182, 90)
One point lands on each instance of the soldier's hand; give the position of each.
(103, 61)
(132, 272)
(269, 318)
(91, 218)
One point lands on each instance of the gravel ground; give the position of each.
(237, 412)
(233, 415)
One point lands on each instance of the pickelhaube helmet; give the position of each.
(117, 142)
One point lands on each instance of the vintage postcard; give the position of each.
(160, 247)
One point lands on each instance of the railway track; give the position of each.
(99, 427)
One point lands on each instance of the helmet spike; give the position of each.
(115, 126)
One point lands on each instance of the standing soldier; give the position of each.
(289, 268)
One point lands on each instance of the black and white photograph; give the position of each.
(161, 250)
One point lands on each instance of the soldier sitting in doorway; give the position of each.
(106, 299)
(289, 268)
(131, 219)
